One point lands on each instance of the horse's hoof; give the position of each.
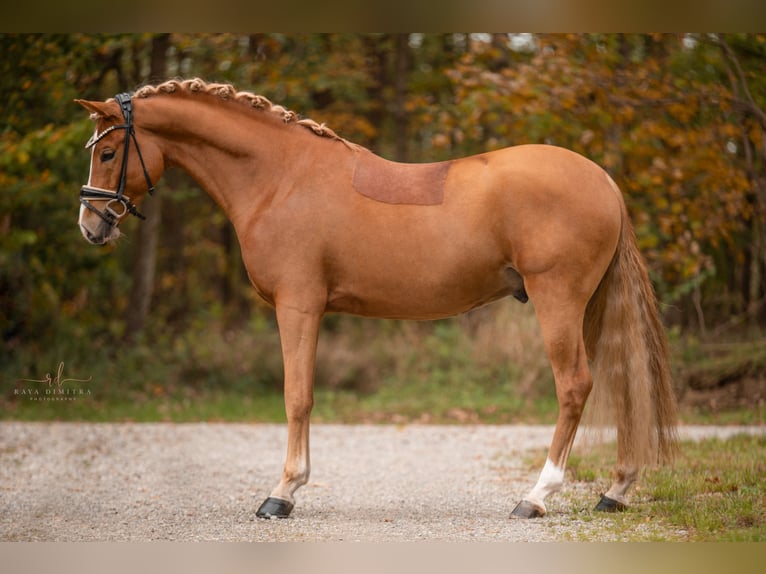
(526, 509)
(607, 504)
(275, 508)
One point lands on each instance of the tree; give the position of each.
(753, 151)
(145, 255)
(677, 119)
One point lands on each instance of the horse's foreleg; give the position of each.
(561, 326)
(298, 333)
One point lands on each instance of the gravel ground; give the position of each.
(190, 482)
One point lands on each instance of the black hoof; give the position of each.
(275, 508)
(526, 509)
(607, 504)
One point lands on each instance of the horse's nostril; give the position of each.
(95, 239)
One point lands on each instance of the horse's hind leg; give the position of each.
(625, 474)
(560, 313)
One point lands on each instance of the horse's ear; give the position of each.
(104, 110)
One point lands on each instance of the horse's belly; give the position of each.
(426, 294)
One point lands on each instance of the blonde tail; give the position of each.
(626, 343)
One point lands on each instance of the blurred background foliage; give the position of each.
(677, 119)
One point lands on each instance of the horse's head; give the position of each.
(121, 170)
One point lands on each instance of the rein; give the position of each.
(88, 193)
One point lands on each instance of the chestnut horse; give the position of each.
(327, 226)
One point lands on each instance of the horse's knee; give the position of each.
(298, 408)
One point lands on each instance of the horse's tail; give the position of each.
(626, 343)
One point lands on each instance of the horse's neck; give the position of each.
(231, 153)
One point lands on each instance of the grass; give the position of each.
(715, 491)
(462, 370)
(486, 367)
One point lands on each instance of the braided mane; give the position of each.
(228, 92)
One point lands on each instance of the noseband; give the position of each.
(87, 193)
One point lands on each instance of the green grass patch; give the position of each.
(486, 367)
(715, 491)
(468, 404)
(367, 371)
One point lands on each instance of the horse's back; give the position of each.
(504, 215)
(399, 183)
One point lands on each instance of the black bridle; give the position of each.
(88, 193)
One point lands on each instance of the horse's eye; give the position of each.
(107, 155)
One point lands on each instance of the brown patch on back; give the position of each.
(400, 183)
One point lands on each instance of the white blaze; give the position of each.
(90, 176)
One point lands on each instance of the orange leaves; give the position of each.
(654, 119)
(683, 111)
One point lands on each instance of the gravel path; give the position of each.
(139, 482)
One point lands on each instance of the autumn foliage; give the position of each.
(677, 120)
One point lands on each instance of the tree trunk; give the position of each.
(400, 90)
(753, 284)
(145, 255)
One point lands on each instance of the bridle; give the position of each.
(87, 193)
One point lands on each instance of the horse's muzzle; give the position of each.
(101, 234)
